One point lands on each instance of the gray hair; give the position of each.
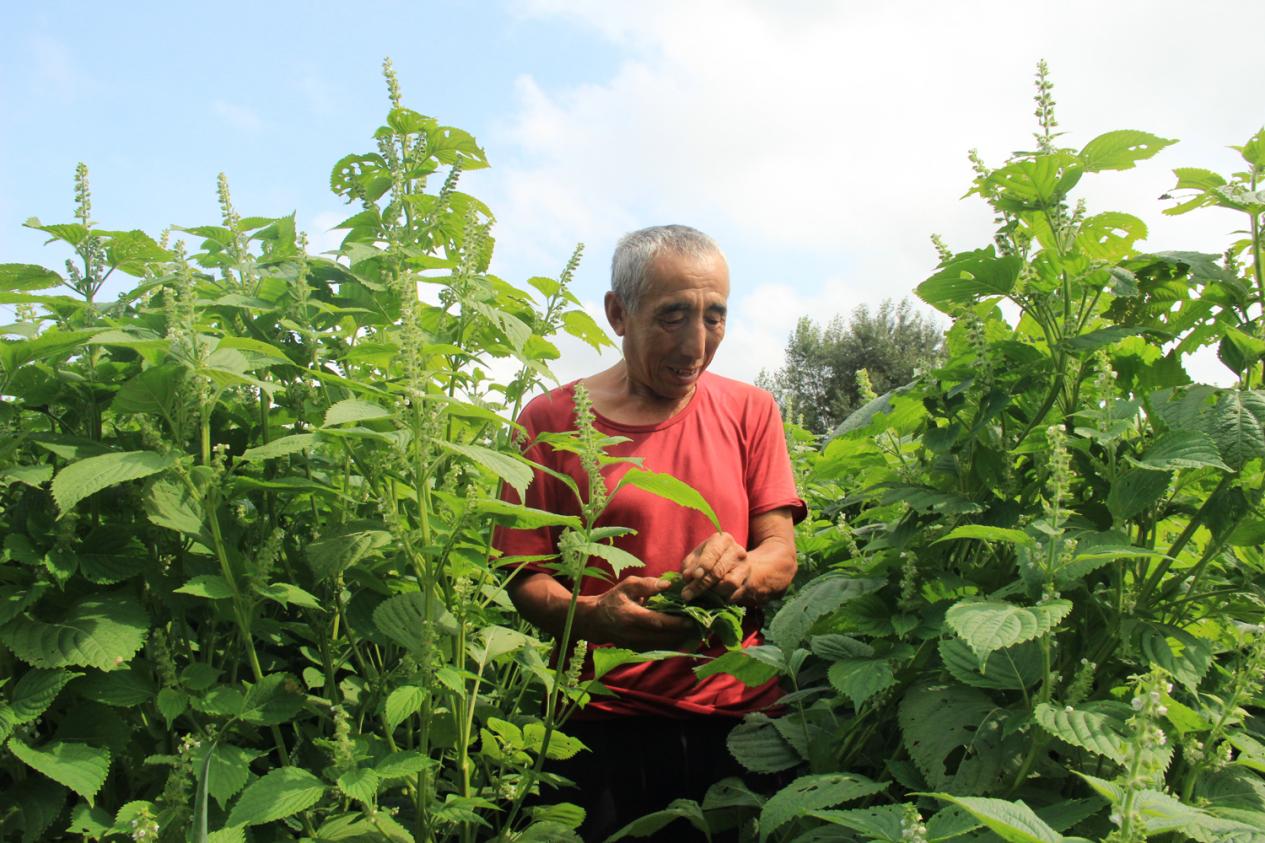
(637, 249)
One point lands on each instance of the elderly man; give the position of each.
(661, 736)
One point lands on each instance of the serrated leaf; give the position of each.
(1085, 729)
(818, 598)
(1238, 426)
(937, 718)
(619, 559)
(1184, 656)
(228, 769)
(969, 277)
(561, 746)
(288, 594)
(580, 325)
(523, 517)
(279, 793)
(334, 555)
(505, 466)
(207, 586)
(171, 704)
(810, 793)
(757, 745)
(400, 764)
(402, 618)
(354, 410)
(1135, 490)
(24, 277)
(35, 691)
(669, 488)
(89, 822)
(170, 504)
(1009, 669)
(78, 766)
(360, 784)
(1121, 149)
(286, 445)
(986, 533)
(402, 703)
(119, 688)
(1182, 449)
(85, 477)
(102, 631)
(686, 809)
(880, 822)
(1014, 822)
(987, 625)
(860, 679)
(272, 700)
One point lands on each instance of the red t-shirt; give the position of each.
(729, 445)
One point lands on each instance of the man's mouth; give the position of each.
(684, 374)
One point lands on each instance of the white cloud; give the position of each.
(829, 140)
(237, 116)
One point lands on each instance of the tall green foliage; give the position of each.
(1031, 605)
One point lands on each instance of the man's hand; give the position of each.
(719, 565)
(618, 616)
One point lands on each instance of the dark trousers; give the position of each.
(638, 765)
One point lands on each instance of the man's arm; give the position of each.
(616, 616)
(750, 577)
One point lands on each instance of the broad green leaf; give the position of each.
(78, 766)
(1135, 490)
(860, 679)
(936, 719)
(1238, 426)
(742, 664)
(1184, 656)
(35, 691)
(402, 619)
(606, 659)
(811, 793)
(91, 823)
(670, 488)
(1239, 350)
(102, 631)
(119, 688)
(1110, 236)
(170, 504)
(360, 784)
(985, 533)
(286, 445)
(354, 410)
(580, 325)
(171, 704)
(969, 277)
(1120, 150)
(879, 822)
(228, 769)
(1182, 449)
(619, 560)
(32, 475)
(81, 479)
(1008, 669)
(987, 625)
(288, 594)
(209, 586)
(155, 391)
(15, 277)
(1014, 822)
(505, 466)
(402, 703)
(523, 517)
(759, 747)
(1085, 729)
(397, 765)
(818, 598)
(273, 700)
(278, 794)
(686, 809)
(561, 746)
(332, 556)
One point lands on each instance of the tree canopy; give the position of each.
(817, 384)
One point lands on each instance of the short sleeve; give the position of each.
(541, 494)
(770, 479)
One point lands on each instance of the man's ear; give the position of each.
(615, 313)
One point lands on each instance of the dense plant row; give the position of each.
(1032, 603)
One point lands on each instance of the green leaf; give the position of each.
(880, 822)
(23, 277)
(1238, 426)
(81, 479)
(35, 691)
(818, 598)
(1120, 150)
(686, 809)
(278, 794)
(360, 784)
(936, 719)
(102, 631)
(1085, 729)
(1239, 350)
(1135, 490)
(272, 700)
(155, 391)
(757, 745)
(740, 664)
(209, 586)
(811, 793)
(1009, 669)
(580, 325)
(670, 488)
(619, 560)
(228, 769)
(397, 765)
(523, 517)
(89, 822)
(860, 679)
(1182, 449)
(171, 704)
(78, 766)
(170, 504)
(288, 594)
(505, 466)
(561, 746)
(334, 555)
(1110, 236)
(286, 445)
(987, 625)
(1185, 657)
(119, 688)
(985, 533)
(354, 410)
(1014, 822)
(606, 659)
(402, 703)
(402, 618)
(969, 277)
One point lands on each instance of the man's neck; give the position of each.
(617, 398)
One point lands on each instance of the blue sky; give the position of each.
(821, 143)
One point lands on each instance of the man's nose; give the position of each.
(694, 342)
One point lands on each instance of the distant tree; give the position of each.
(817, 384)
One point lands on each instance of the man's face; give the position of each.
(673, 335)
